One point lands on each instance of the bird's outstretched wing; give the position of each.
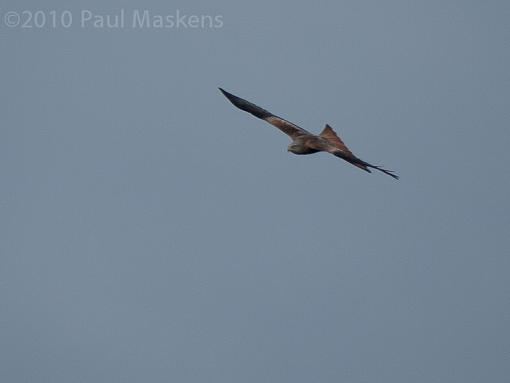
(290, 129)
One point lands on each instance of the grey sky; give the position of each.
(152, 232)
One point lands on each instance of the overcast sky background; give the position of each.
(150, 231)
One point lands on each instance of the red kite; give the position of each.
(304, 142)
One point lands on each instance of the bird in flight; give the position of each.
(304, 142)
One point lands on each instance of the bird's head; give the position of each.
(296, 148)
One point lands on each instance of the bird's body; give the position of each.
(304, 142)
(306, 145)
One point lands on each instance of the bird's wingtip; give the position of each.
(233, 99)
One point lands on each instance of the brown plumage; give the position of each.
(304, 142)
